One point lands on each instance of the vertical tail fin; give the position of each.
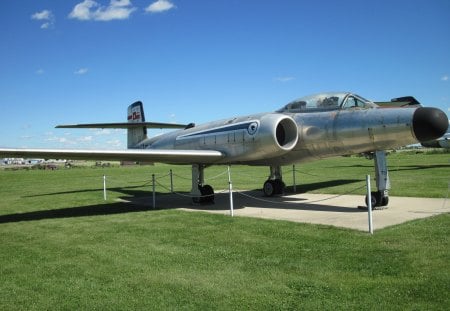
(136, 115)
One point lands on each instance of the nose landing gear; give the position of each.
(380, 198)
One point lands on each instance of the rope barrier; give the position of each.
(188, 195)
(309, 202)
(163, 176)
(217, 176)
(304, 173)
(240, 192)
(182, 177)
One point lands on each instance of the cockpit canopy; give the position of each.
(327, 101)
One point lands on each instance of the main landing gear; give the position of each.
(274, 185)
(200, 192)
(380, 197)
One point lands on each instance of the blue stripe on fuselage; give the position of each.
(222, 129)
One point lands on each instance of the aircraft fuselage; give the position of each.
(287, 138)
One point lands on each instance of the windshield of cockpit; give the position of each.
(326, 101)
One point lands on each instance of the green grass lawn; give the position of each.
(63, 247)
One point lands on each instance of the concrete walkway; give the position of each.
(326, 209)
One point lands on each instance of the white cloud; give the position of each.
(46, 16)
(284, 79)
(40, 71)
(84, 139)
(114, 143)
(91, 10)
(43, 15)
(444, 78)
(98, 132)
(160, 6)
(82, 11)
(81, 71)
(61, 140)
(46, 25)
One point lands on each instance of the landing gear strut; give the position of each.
(380, 197)
(200, 192)
(274, 185)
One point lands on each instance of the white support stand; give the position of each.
(171, 181)
(369, 204)
(154, 188)
(293, 178)
(104, 187)
(230, 189)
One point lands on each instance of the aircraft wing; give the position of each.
(126, 125)
(142, 155)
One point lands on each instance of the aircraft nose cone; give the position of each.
(429, 123)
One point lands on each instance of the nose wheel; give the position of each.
(273, 187)
(377, 198)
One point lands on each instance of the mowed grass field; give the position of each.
(63, 247)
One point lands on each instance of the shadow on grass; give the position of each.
(140, 201)
(79, 211)
(125, 190)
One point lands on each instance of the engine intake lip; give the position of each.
(286, 133)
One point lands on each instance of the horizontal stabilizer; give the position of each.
(140, 155)
(126, 125)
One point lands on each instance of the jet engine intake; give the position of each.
(278, 134)
(286, 133)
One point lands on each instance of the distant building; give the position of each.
(20, 161)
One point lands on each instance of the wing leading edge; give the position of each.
(126, 125)
(147, 155)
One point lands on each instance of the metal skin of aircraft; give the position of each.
(310, 128)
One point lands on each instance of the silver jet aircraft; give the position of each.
(310, 128)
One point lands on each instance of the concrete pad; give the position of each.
(325, 209)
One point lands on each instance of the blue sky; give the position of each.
(85, 61)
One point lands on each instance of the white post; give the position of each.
(369, 204)
(104, 187)
(154, 194)
(230, 189)
(171, 181)
(293, 178)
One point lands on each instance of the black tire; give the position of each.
(207, 194)
(279, 186)
(375, 198)
(385, 201)
(269, 188)
(273, 187)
